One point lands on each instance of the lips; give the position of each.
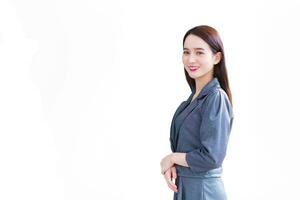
(193, 68)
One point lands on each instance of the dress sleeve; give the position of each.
(214, 133)
(171, 137)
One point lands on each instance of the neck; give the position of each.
(202, 81)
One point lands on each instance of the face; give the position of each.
(197, 57)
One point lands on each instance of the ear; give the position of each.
(217, 57)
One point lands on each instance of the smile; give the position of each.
(192, 68)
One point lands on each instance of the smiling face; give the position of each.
(197, 57)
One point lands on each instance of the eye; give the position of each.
(199, 52)
(185, 52)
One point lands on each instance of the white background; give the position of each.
(88, 90)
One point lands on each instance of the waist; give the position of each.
(187, 172)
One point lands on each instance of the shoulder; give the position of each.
(217, 101)
(217, 95)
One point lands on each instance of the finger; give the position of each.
(173, 176)
(167, 175)
(173, 172)
(171, 185)
(172, 188)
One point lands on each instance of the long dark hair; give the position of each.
(212, 38)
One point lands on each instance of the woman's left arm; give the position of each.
(179, 159)
(171, 159)
(214, 134)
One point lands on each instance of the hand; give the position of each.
(166, 163)
(169, 175)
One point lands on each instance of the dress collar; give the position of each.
(209, 86)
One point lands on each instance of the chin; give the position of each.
(195, 76)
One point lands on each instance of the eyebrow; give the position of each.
(194, 48)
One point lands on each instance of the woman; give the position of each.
(201, 125)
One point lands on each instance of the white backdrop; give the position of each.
(88, 90)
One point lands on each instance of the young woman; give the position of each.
(201, 125)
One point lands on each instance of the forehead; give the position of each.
(193, 42)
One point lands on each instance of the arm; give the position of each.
(179, 158)
(214, 133)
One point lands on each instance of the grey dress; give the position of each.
(201, 129)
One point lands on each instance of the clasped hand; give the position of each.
(169, 171)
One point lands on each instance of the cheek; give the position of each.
(208, 63)
(184, 59)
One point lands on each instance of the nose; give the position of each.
(191, 58)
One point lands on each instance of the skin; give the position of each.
(196, 52)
